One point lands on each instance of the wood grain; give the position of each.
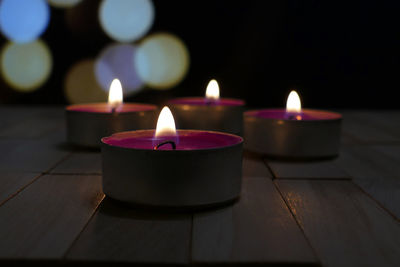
(257, 229)
(31, 123)
(37, 155)
(255, 167)
(123, 234)
(43, 220)
(80, 162)
(12, 182)
(344, 226)
(386, 121)
(376, 169)
(326, 169)
(369, 129)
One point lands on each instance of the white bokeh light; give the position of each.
(25, 67)
(162, 60)
(116, 61)
(126, 20)
(23, 21)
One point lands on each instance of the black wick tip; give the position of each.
(172, 143)
(291, 117)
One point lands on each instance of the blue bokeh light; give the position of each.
(116, 61)
(23, 21)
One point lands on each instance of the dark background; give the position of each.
(337, 55)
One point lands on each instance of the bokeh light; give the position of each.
(116, 61)
(23, 21)
(81, 85)
(27, 66)
(126, 20)
(63, 3)
(162, 60)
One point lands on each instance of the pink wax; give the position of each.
(105, 108)
(185, 140)
(202, 101)
(304, 115)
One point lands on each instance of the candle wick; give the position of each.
(172, 143)
(209, 102)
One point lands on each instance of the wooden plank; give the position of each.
(43, 220)
(32, 122)
(36, 155)
(343, 225)
(80, 162)
(13, 114)
(376, 169)
(347, 139)
(254, 166)
(325, 169)
(12, 182)
(387, 121)
(122, 234)
(358, 125)
(257, 229)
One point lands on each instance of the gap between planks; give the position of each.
(83, 229)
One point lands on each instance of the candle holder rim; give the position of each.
(240, 102)
(250, 113)
(151, 150)
(69, 108)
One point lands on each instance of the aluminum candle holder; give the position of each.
(224, 115)
(204, 169)
(310, 134)
(88, 123)
(210, 112)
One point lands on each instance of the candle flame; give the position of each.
(115, 94)
(293, 103)
(212, 92)
(165, 123)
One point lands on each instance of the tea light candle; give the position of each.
(293, 133)
(88, 123)
(210, 112)
(183, 169)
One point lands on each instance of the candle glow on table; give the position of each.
(88, 123)
(210, 112)
(293, 132)
(150, 167)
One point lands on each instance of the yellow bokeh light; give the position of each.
(25, 67)
(162, 60)
(81, 85)
(63, 3)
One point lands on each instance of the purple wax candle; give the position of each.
(293, 133)
(182, 169)
(88, 123)
(105, 108)
(210, 112)
(184, 140)
(303, 115)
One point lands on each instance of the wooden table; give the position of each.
(341, 212)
